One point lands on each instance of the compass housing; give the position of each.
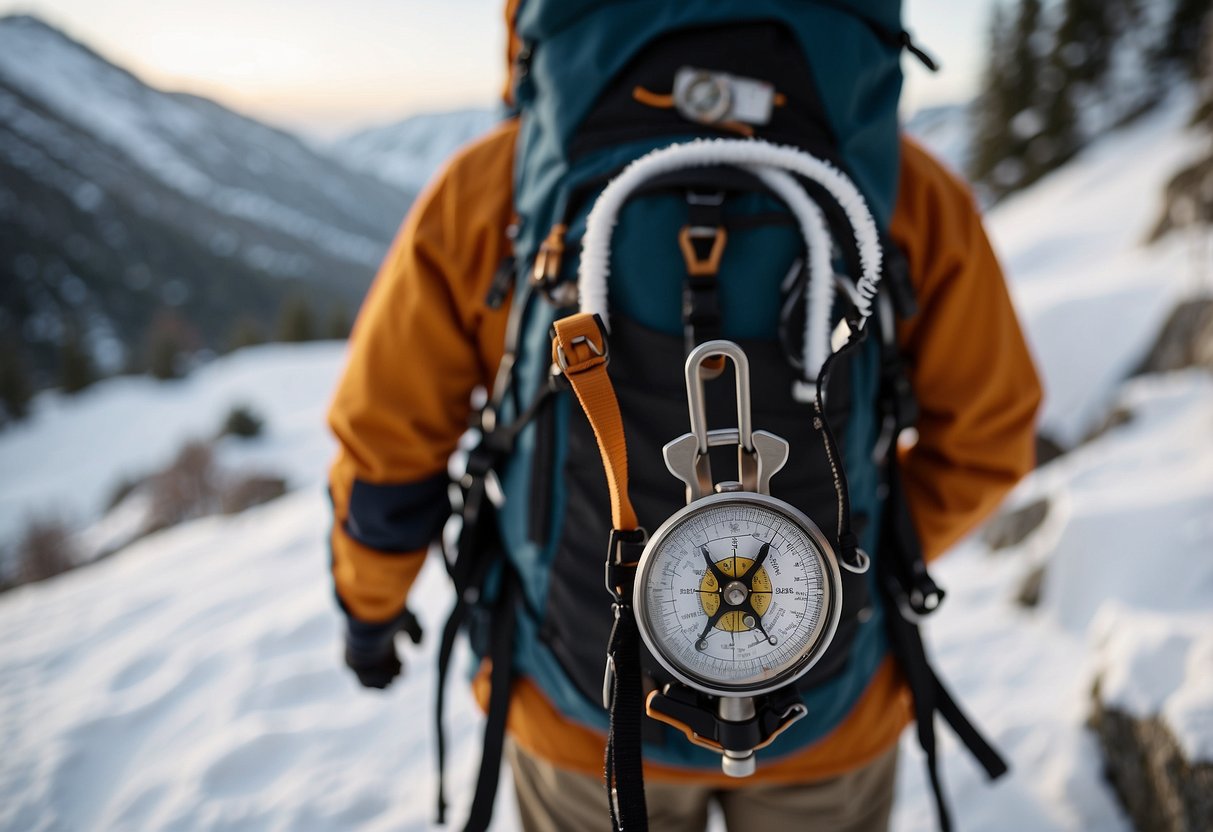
(788, 668)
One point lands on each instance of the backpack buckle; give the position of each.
(598, 351)
(700, 264)
(549, 258)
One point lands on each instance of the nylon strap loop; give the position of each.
(579, 349)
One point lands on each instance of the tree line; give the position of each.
(1058, 75)
(170, 346)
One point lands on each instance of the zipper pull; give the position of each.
(907, 43)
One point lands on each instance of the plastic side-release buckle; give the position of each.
(623, 555)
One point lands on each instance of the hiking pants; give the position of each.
(552, 799)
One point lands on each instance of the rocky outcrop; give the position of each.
(1160, 790)
(1012, 527)
(1186, 340)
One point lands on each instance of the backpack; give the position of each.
(698, 253)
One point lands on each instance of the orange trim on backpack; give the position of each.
(705, 266)
(871, 729)
(662, 101)
(690, 734)
(579, 349)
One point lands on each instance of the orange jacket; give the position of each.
(424, 339)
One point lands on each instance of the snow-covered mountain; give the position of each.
(117, 199)
(409, 152)
(945, 130)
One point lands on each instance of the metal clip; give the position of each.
(759, 454)
(562, 359)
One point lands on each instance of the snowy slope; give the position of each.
(195, 682)
(409, 152)
(1090, 293)
(71, 455)
(1128, 585)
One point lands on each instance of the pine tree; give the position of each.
(247, 332)
(296, 324)
(1026, 123)
(1189, 22)
(337, 326)
(76, 370)
(170, 341)
(15, 387)
(990, 111)
(1085, 40)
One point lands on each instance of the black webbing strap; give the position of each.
(501, 656)
(930, 696)
(477, 549)
(500, 683)
(907, 589)
(701, 316)
(899, 38)
(624, 767)
(469, 570)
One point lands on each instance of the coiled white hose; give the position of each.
(773, 164)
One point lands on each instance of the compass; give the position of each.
(738, 594)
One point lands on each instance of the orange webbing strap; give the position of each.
(579, 349)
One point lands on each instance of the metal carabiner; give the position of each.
(759, 454)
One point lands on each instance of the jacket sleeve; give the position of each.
(423, 341)
(969, 366)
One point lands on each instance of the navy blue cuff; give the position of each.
(398, 518)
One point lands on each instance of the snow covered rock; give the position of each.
(1012, 527)
(1186, 339)
(1153, 714)
(408, 153)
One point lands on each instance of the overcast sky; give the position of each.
(325, 68)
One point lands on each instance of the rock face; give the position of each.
(1186, 340)
(1161, 791)
(1010, 528)
(1047, 449)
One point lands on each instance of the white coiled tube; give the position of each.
(774, 164)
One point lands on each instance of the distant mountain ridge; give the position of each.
(118, 201)
(407, 153)
(945, 130)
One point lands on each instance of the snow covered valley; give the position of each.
(193, 680)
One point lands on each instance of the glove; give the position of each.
(370, 649)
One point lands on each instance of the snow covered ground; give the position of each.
(193, 680)
(68, 459)
(1090, 293)
(1126, 546)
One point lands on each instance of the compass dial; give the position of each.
(737, 593)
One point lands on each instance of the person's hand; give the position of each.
(370, 649)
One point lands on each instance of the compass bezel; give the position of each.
(823, 632)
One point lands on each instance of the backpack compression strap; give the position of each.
(579, 349)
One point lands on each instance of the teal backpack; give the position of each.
(698, 253)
